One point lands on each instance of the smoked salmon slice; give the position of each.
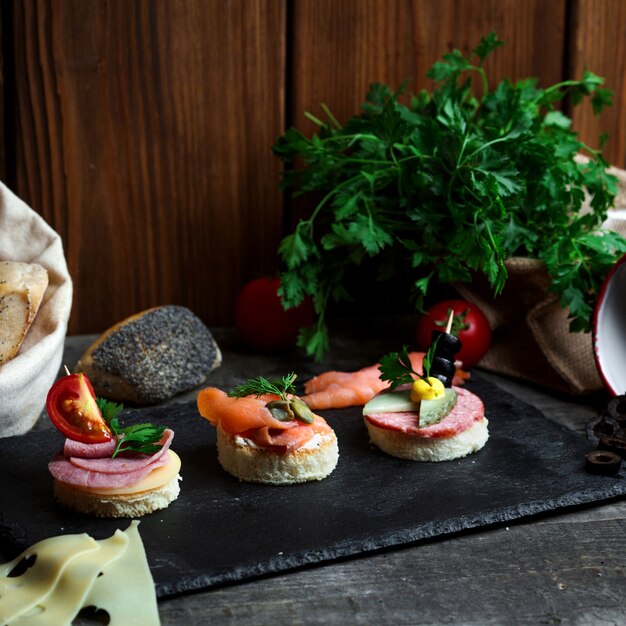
(338, 390)
(237, 415)
(250, 418)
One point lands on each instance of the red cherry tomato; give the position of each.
(262, 321)
(72, 407)
(473, 329)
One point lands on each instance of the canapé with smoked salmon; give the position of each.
(266, 434)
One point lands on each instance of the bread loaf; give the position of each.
(22, 286)
(151, 356)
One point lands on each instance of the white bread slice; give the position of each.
(416, 448)
(132, 505)
(258, 465)
(22, 286)
(154, 495)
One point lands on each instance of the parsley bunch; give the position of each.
(450, 184)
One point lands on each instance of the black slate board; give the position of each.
(221, 530)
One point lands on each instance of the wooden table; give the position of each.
(567, 568)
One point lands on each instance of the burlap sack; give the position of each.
(531, 338)
(25, 379)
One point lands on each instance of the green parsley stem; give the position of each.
(331, 117)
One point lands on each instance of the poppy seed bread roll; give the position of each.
(151, 356)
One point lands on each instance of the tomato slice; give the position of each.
(72, 408)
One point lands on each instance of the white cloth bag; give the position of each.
(25, 379)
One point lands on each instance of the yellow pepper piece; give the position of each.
(428, 389)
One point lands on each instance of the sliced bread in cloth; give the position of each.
(22, 286)
(25, 379)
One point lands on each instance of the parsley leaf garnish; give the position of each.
(448, 184)
(141, 438)
(396, 367)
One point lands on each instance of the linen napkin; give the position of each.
(25, 379)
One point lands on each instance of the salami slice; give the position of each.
(123, 464)
(64, 471)
(468, 410)
(89, 450)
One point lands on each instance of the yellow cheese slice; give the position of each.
(126, 587)
(71, 572)
(52, 557)
(61, 606)
(155, 479)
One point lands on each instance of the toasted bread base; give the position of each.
(433, 449)
(252, 464)
(131, 505)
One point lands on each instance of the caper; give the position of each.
(280, 414)
(281, 410)
(302, 411)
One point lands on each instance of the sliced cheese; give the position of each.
(156, 478)
(126, 587)
(52, 556)
(75, 571)
(62, 605)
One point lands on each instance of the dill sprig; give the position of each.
(285, 409)
(260, 386)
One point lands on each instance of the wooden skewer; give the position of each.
(449, 324)
(66, 370)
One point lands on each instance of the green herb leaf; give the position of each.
(429, 356)
(285, 409)
(396, 368)
(260, 386)
(110, 410)
(447, 186)
(487, 45)
(141, 438)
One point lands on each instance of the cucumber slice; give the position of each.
(430, 411)
(391, 402)
(433, 411)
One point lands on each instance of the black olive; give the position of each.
(443, 369)
(613, 444)
(617, 409)
(446, 380)
(603, 462)
(447, 346)
(601, 425)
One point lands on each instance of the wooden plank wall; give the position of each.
(141, 129)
